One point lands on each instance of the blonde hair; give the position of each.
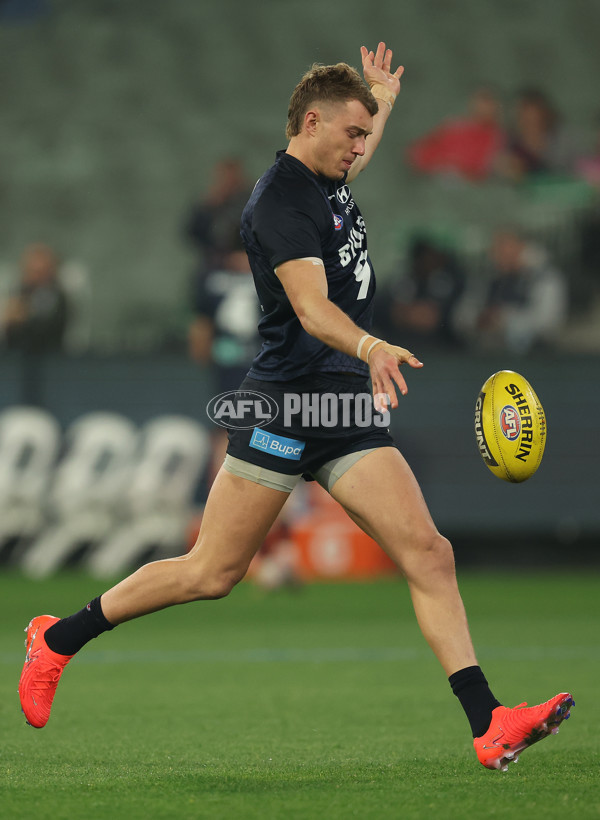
(329, 84)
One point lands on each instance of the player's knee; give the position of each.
(432, 555)
(210, 585)
(219, 587)
(444, 554)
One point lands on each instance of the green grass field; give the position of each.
(324, 703)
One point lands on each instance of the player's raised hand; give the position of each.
(377, 68)
(384, 362)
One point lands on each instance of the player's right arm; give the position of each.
(305, 285)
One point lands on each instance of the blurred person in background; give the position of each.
(223, 334)
(464, 147)
(34, 318)
(275, 565)
(419, 306)
(211, 222)
(538, 143)
(588, 169)
(587, 166)
(527, 299)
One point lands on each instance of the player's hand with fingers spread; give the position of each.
(384, 361)
(377, 71)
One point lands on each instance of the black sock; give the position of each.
(68, 635)
(471, 688)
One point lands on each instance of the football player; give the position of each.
(307, 245)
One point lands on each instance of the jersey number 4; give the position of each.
(362, 274)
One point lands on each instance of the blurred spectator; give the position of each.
(417, 310)
(35, 317)
(538, 143)
(589, 243)
(275, 564)
(465, 147)
(588, 166)
(224, 332)
(527, 299)
(211, 222)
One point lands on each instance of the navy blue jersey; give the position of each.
(292, 214)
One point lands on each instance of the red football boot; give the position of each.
(513, 730)
(41, 672)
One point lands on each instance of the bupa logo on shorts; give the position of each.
(279, 446)
(343, 194)
(242, 409)
(338, 222)
(510, 422)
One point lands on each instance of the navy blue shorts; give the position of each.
(319, 418)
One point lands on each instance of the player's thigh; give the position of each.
(236, 519)
(381, 493)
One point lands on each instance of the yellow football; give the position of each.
(510, 426)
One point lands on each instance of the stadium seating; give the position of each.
(116, 494)
(114, 118)
(86, 493)
(174, 452)
(29, 444)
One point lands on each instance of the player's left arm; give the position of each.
(305, 285)
(385, 87)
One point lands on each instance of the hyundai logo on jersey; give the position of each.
(280, 446)
(343, 194)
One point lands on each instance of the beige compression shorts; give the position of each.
(326, 475)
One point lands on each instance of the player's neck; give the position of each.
(297, 148)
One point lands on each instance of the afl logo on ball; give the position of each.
(337, 222)
(510, 422)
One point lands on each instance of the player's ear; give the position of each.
(311, 120)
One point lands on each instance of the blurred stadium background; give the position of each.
(114, 116)
(326, 703)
